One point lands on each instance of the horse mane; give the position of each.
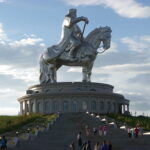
(96, 30)
(91, 34)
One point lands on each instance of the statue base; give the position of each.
(73, 97)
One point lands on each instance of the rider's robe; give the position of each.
(67, 31)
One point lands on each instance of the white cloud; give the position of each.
(25, 42)
(1, 1)
(125, 8)
(19, 51)
(3, 35)
(138, 44)
(9, 111)
(29, 75)
(131, 68)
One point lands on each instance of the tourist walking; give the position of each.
(136, 132)
(97, 146)
(104, 146)
(132, 133)
(104, 130)
(94, 130)
(83, 147)
(140, 131)
(100, 130)
(129, 132)
(72, 146)
(3, 143)
(79, 140)
(88, 145)
(109, 145)
(87, 130)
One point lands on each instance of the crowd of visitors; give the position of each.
(86, 145)
(135, 132)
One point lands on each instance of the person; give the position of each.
(87, 130)
(109, 145)
(72, 146)
(83, 147)
(97, 146)
(129, 132)
(79, 140)
(140, 131)
(132, 133)
(88, 145)
(0, 141)
(94, 130)
(104, 130)
(101, 130)
(104, 146)
(136, 132)
(71, 31)
(3, 143)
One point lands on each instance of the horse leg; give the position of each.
(86, 71)
(51, 73)
(89, 72)
(84, 74)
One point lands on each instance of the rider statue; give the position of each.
(71, 31)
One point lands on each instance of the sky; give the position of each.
(28, 27)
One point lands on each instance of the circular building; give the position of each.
(73, 97)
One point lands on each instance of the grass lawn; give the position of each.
(11, 123)
(133, 121)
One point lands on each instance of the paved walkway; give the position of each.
(65, 131)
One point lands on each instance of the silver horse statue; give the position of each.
(85, 55)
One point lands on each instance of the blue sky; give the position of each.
(27, 27)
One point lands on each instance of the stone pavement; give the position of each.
(65, 131)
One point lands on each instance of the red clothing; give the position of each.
(136, 130)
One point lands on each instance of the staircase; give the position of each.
(65, 131)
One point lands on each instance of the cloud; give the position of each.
(126, 8)
(29, 75)
(9, 111)
(137, 44)
(24, 42)
(141, 79)
(1, 1)
(17, 52)
(8, 101)
(3, 35)
(18, 68)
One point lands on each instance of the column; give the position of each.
(128, 107)
(21, 108)
(123, 108)
(29, 107)
(35, 106)
(43, 105)
(26, 107)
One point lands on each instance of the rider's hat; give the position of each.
(72, 10)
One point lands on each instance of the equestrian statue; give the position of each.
(73, 49)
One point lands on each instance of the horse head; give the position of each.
(98, 36)
(105, 37)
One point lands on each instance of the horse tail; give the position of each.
(43, 71)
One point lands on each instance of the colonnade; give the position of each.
(50, 106)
